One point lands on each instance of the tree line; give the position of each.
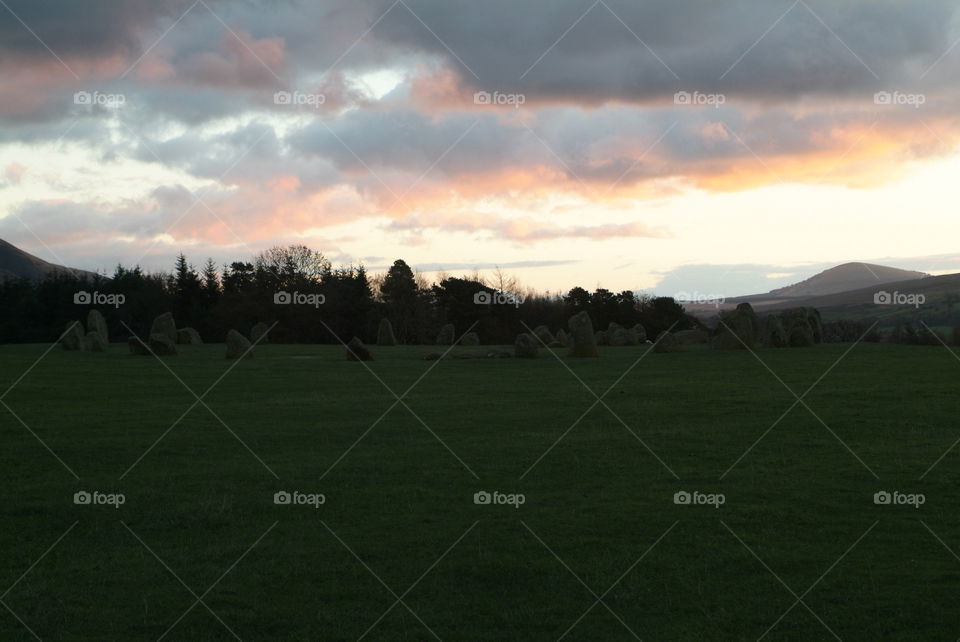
(311, 301)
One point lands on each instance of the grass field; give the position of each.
(399, 519)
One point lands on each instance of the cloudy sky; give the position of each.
(724, 147)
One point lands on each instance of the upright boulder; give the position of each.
(165, 325)
(562, 338)
(446, 336)
(188, 337)
(73, 338)
(666, 342)
(801, 335)
(738, 329)
(525, 346)
(802, 327)
(96, 323)
(237, 345)
(582, 340)
(356, 351)
(138, 347)
(641, 333)
(774, 334)
(258, 333)
(94, 342)
(470, 339)
(385, 336)
(162, 345)
(816, 324)
(543, 335)
(797, 328)
(600, 337)
(619, 336)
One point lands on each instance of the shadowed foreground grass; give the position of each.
(399, 520)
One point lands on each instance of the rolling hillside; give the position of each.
(15, 263)
(851, 291)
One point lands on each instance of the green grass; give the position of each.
(599, 499)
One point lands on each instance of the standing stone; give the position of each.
(446, 336)
(385, 336)
(640, 332)
(582, 341)
(666, 342)
(94, 342)
(617, 335)
(356, 351)
(188, 336)
(258, 333)
(802, 327)
(600, 336)
(525, 346)
(162, 345)
(137, 347)
(542, 334)
(739, 329)
(165, 325)
(73, 339)
(562, 338)
(816, 325)
(470, 339)
(237, 345)
(96, 323)
(774, 334)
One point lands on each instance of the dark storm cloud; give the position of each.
(86, 28)
(512, 46)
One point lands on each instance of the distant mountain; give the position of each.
(846, 277)
(847, 292)
(15, 263)
(938, 305)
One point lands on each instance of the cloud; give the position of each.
(629, 51)
(521, 230)
(598, 126)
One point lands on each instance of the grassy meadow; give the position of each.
(399, 550)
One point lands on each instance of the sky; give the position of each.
(698, 146)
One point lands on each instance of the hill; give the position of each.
(936, 302)
(850, 292)
(15, 263)
(844, 278)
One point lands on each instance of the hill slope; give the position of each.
(15, 263)
(940, 304)
(844, 278)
